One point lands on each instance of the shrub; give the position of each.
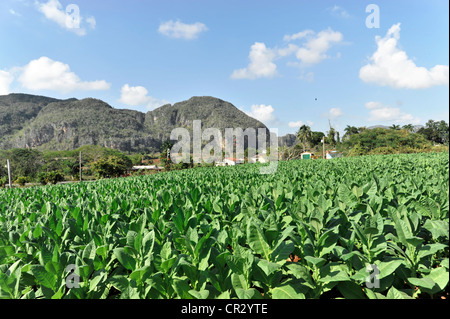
(22, 180)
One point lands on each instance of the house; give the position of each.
(149, 167)
(332, 154)
(258, 158)
(230, 162)
(306, 155)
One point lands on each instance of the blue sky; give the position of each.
(271, 59)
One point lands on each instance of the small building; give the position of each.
(230, 162)
(306, 155)
(332, 154)
(258, 158)
(149, 167)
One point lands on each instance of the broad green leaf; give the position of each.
(286, 292)
(202, 294)
(251, 293)
(315, 261)
(257, 241)
(238, 281)
(125, 259)
(350, 290)
(44, 277)
(397, 294)
(268, 267)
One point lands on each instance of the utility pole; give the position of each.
(323, 141)
(80, 168)
(9, 174)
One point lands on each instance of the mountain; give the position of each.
(287, 140)
(29, 121)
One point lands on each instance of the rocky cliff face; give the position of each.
(287, 140)
(28, 121)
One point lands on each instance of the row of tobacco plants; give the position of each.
(362, 227)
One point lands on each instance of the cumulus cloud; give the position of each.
(335, 112)
(6, 79)
(313, 51)
(299, 35)
(138, 96)
(263, 113)
(14, 13)
(179, 30)
(261, 63)
(46, 74)
(391, 66)
(338, 11)
(386, 113)
(69, 18)
(296, 124)
(316, 47)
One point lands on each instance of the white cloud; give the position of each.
(179, 30)
(14, 13)
(261, 63)
(385, 113)
(138, 96)
(335, 112)
(6, 79)
(390, 66)
(262, 112)
(296, 124)
(68, 18)
(339, 12)
(92, 22)
(308, 77)
(299, 35)
(46, 74)
(313, 51)
(316, 47)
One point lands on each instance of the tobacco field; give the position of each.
(369, 227)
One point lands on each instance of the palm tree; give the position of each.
(395, 127)
(304, 135)
(350, 130)
(408, 127)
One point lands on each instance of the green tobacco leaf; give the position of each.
(257, 241)
(397, 294)
(125, 259)
(286, 292)
(385, 268)
(248, 293)
(438, 228)
(423, 283)
(268, 267)
(335, 276)
(431, 249)
(238, 281)
(315, 261)
(44, 277)
(350, 290)
(202, 294)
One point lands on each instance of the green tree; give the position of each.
(25, 162)
(349, 131)
(164, 156)
(304, 135)
(112, 166)
(408, 127)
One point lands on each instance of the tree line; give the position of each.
(356, 141)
